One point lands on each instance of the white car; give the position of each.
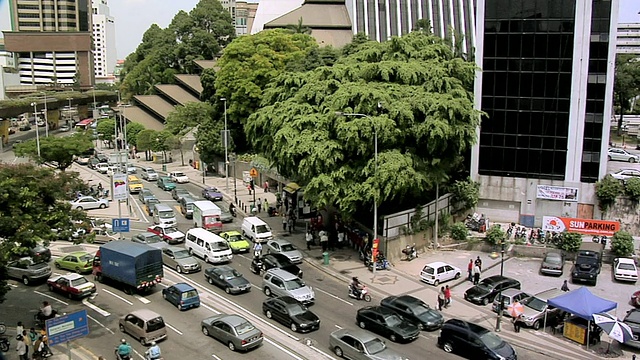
(102, 167)
(624, 269)
(626, 174)
(169, 233)
(88, 203)
(179, 177)
(82, 160)
(438, 272)
(622, 155)
(285, 248)
(112, 170)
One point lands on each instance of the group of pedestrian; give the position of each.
(474, 269)
(29, 343)
(444, 297)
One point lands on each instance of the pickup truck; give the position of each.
(137, 267)
(588, 263)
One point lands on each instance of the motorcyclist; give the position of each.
(232, 209)
(124, 350)
(154, 351)
(46, 312)
(356, 287)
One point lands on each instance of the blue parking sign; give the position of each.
(120, 225)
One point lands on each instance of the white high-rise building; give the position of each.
(104, 41)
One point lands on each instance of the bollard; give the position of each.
(325, 258)
(164, 167)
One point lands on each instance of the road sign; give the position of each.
(253, 173)
(120, 225)
(67, 327)
(119, 187)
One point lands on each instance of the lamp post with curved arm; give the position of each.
(35, 117)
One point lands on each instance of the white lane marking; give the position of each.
(137, 353)
(99, 323)
(50, 297)
(210, 308)
(322, 352)
(283, 349)
(142, 299)
(333, 296)
(117, 296)
(338, 326)
(95, 308)
(257, 287)
(215, 357)
(173, 328)
(13, 285)
(139, 209)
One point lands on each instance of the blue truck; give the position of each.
(138, 267)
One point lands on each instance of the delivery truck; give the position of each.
(206, 215)
(136, 267)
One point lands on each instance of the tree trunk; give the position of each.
(619, 132)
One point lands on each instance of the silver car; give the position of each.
(149, 174)
(281, 246)
(233, 330)
(536, 307)
(622, 155)
(178, 258)
(359, 344)
(88, 203)
(277, 282)
(28, 271)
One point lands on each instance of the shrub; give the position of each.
(459, 231)
(622, 244)
(495, 235)
(632, 189)
(570, 241)
(607, 190)
(466, 192)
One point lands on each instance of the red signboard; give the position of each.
(374, 249)
(583, 226)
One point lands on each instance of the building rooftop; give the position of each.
(136, 114)
(155, 104)
(190, 81)
(176, 93)
(206, 64)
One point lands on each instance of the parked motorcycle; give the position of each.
(364, 294)
(4, 344)
(410, 252)
(381, 263)
(3, 327)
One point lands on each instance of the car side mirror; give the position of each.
(221, 277)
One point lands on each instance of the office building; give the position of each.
(242, 14)
(628, 39)
(104, 41)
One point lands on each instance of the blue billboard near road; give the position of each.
(67, 327)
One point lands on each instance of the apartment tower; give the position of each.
(104, 41)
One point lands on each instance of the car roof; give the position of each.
(223, 268)
(77, 253)
(477, 329)
(148, 234)
(175, 248)
(359, 334)
(406, 299)
(231, 232)
(232, 319)
(495, 279)
(183, 287)
(280, 241)
(145, 314)
(437, 264)
(511, 292)
(285, 275)
(279, 257)
(626, 261)
(72, 276)
(379, 309)
(287, 299)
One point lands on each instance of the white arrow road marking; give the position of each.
(142, 299)
(50, 297)
(95, 308)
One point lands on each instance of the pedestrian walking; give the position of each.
(249, 188)
(21, 348)
(324, 240)
(340, 238)
(516, 323)
(19, 328)
(266, 186)
(27, 342)
(266, 205)
(257, 250)
(478, 263)
(259, 205)
(292, 224)
(441, 299)
(565, 286)
(309, 239)
(476, 274)
(470, 270)
(447, 296)
(284, 222)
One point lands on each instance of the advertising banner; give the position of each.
(119, 187)
(582, 226)
(560, 193)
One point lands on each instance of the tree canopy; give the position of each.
(412, 91)
(56, 150)
(626, 84)
(183, 118)
(107, 128)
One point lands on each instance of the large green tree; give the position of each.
(32, 202)
(145, 141)
(416, 95)
(133, 129)
(56, 150)
(183, 118)
(107, 129)
(626, 84)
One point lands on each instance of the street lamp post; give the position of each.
(35, 117)
(234, 158)
(494, 255)
(46, 118)
(226, 145)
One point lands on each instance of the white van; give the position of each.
(164, 214)
(255, 229)
(211, 247)
(206, 214)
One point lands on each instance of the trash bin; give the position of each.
(325, 258)
(164, 167)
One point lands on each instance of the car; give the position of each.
(415, 311)
(186, 207)
(169, 233)
(509, 296)
(145, 194)
(131, 169)
(64, 128)
(633, 320)
(275, 261)
(488, 288)
(437, 272)
(182, 295)
(104, 234)
(82, 160)
(277, 282)
(179, 177)
(102, 167)
(621, 155)
(145, 325)
(537, 310)
(149, 174)
(473, 341)
(225, 216)
(150, 239)
(236, 241)
(39, 253)
(72, 285)
(25, 127)
(626, 174)
(89, 203)
(212, 194)
(79, 261)
(386, 322)
(552, 264)
(103, 158)
(624, 269)
(178, 258)
(28, 271)
(228, 279)
(165, 183)
(284, 247)
(150, 204)
(93, 162)
(232, 330)
(179, 193)
(360, 345)
(113, 169)
(292, 313)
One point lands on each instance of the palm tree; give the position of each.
(299, 28)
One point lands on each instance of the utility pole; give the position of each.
(226, 146)
(46, 118)
(35, 117)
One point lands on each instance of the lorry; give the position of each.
(136, 267)
(588, 263)
(206, 214)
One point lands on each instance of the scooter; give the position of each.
(364, 294)
(4, 344)
(148, 357)
(121, 357)
(410, 252)
(39, 319)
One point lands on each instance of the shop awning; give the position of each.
(291, 188)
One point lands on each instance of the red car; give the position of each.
(168, 233)
(635, 299)
(72, 285)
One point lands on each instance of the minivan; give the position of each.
(163, 214)
(255, 229)
(473, 341)
(536, 306)
(144, 325)
(182, 295)
(186, 207)
(277, 282)
(211, 247)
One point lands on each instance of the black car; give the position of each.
(487, 289)
(473, 342)
(39, 253)
(274, 261)
(387, 323)
(414, 310)
(633, 320)
(227, 278)
(289, 311)
(179, 193)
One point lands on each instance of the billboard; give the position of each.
(119, 187)
(582, 226)
(560, 193)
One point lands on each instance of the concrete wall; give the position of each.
(627, 213)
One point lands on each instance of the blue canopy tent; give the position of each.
(582, 303)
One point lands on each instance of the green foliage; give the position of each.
(424, 123)
(570, 241)
(106, 128)
(55, 150)
(133, 129)
(466, 192)
(626, 85)
(495, 235)
(146, 139)
(632, 188)
(208, 81)
(459, 231)
(356, 42)
(607, 190)
(185, 117)
(314, 58)
(444, 223)
(164, 141)
(622, 244)
(31, 204)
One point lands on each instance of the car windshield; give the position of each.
(135, 182)
(627, 267)
(189, 294)
(150, 171)
(262, 229)
(170, 230)
(153, 239)
(153, 201)
(236, 237)
(297, 309)
(166, 214)
(420, 310)
(375, 346)
(491, 340)
(393, 320)
(190, 207)
(244, 328)
(486, 286)
(79, 281)
(429, 270)
(294, 284)
(181, 254)
(553, 259)
(155, 324)
(633, 317)
(287, 247)
(219, 246)
(86, 258)
(232, 274)
(178, 174)
(535, 303)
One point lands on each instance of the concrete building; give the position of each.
(628, 39)
(104, 42)
(51, 41)
(242, 14)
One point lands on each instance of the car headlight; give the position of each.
(303, 325)
(575, 274)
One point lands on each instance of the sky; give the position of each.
(134, 17)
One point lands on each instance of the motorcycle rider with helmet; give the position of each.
(356, 287)
(124, 350)
(154, 351)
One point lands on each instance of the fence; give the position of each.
(392, 224)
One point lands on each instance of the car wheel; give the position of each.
(536, 325)
(227, 290)
(57, 266)
(98, 278)
(78, 270)
(121, 327)
(457, 276)
(205, 331)
(191, 251)
(102, 206)
(447, 347)
(143, 341)
(232, 347)
(294, 327)
(267, 291)
(362, 324)
(180, 307)
(609, 158)
(210, 281)
(485, 301)
(269, 314)
(338, 351)
(70, 296)
(25, 280)
(79, 208)
(164, 296)
(435, 283)
(632, 160)
(178, 269)
(393, 337)
(51, 288)
(206, 259)
(421, 327)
